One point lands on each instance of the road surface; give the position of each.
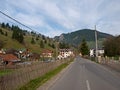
(86, 75)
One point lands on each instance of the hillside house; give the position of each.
(9, 59)
(47, 53)
(24, 54)
(34, 57)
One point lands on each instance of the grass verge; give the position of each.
(35, 83)
(5, 72)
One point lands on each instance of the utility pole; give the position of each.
(96, 42)
(56, 51)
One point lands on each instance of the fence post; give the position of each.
(2, 84)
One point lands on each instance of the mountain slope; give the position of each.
(8, 42)
(74, 38)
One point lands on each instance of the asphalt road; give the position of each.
(86, 75)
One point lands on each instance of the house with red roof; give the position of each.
(9, 59)
(47, 53)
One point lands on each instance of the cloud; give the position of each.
(53, 17)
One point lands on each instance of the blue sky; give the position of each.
(54, 17)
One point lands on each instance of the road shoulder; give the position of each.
(52, 81)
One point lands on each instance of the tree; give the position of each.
(17, 34)
(112, 46)
(21, 38)
(8, 26)
(1, 32)
(84, 48)
(37, 38)
(3, 25)
(33, 33)
(1, 44)
(32, 41)
(63, 45)
(43, 37)
(41, 44)
(45, 41)
(53, 46)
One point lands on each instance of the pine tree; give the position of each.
(84, 48)
(41, 44)
(21, 38)
(53, 46)
(1, 32)
(3, 25)
(7, 26)
(17, 34)
(32, 41)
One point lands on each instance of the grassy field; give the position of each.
(8, 41)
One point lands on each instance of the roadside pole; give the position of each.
(96, 45)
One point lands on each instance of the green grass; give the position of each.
(35, 83)
(5, 72)
(11, 43)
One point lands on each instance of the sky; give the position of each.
(54, 17)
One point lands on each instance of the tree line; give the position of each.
(112, 46)
(17, 34)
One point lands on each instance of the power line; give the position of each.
(16, 20)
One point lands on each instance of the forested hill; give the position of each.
(76, 37)
(12, 36)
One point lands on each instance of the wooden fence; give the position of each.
(110, 61)
(23, 75)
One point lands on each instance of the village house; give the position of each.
(2, 51)
(9, 59)
(24, 54)
(93, 52)
(64, 53)
(47, 53)
(34, 57)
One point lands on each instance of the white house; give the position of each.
(64, 53)
(93, 52)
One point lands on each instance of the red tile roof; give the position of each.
(47, 51)
(9, 57)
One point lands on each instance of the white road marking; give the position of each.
(88, 85)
